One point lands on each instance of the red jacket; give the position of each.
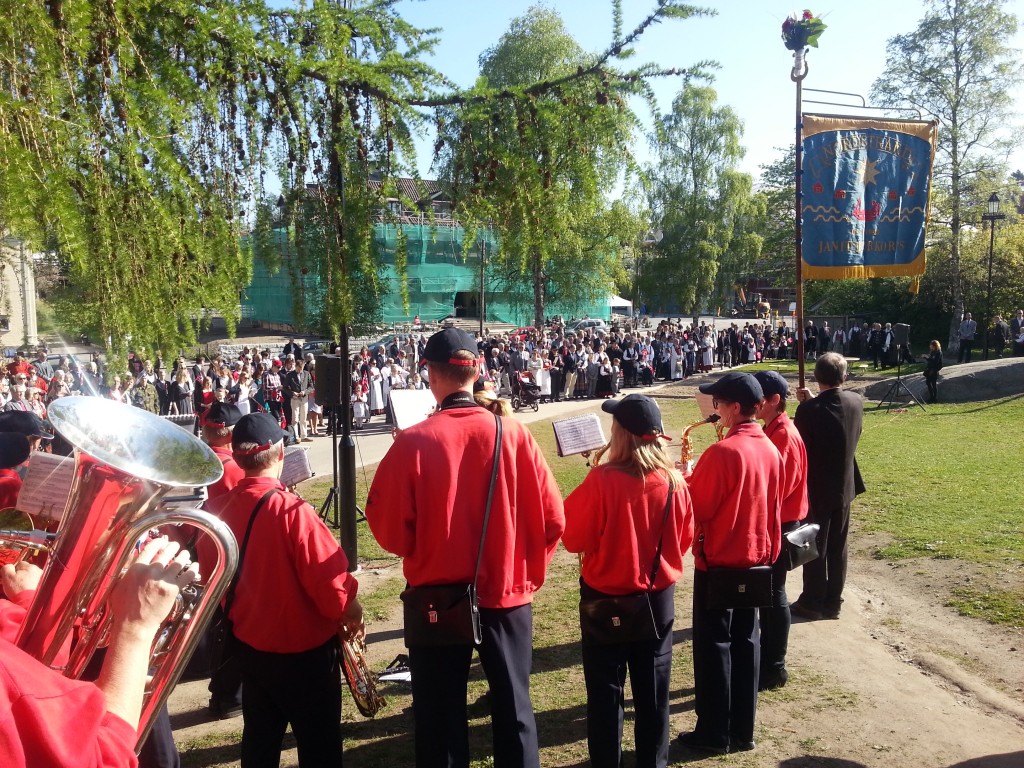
(782, 432)
(427, 501)
(50, 721)
(10, 486)
(615, 518)
(736, 492)
(294, 586)
(232, 474)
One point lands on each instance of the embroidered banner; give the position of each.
(866, 185)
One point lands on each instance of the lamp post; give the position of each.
(652, 239)
(992, 216)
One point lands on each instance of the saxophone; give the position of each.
(359, 678)
(686, 458)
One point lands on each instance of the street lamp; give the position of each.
(652, 239)
(992, 216)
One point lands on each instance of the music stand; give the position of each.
(898, 387)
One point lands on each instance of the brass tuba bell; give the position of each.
(126, 462)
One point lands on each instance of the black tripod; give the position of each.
(330, 505)
(899, 387)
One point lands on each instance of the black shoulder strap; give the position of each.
(229, 597)
(661, 537)
(490, 494)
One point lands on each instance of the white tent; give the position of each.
(619, 306)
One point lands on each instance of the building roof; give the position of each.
(417, 190)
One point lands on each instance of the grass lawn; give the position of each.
(941, 484)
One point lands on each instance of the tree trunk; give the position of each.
(955, 224)
(538, 290)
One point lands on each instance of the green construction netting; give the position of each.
(441, 282)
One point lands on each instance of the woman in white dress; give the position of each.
(375, 393)
(242, 391)
(541, 377)
(707, 352)
(675, 360)
(360, 390)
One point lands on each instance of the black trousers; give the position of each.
(303, 689)
(726, 657)
(966, 345)
(649, 663)
(825, 577)
(776, 620)
(439, 687)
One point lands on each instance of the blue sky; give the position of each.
(744, 37)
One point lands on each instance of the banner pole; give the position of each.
(797, 76)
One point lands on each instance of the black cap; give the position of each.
(223, 414)
(639, 415)
(25, 423)
(772, 383)
(259, 428)
(735, 387)
(14, 449)
(442, 346)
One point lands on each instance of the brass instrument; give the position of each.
(126, 462)
(595, 460)
(686, 457)
(359, 678)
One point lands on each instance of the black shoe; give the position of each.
(773, 679)
(741, 746)
(691, 740)
(224, 710)
(830, 613)
(798, 609)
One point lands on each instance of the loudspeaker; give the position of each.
(901, 334)
(327, 390)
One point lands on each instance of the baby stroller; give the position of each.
(524, 392)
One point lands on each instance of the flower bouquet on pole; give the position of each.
(800, 32)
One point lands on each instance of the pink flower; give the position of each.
(808, 15)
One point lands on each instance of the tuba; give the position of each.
(126, 462)
(686, 457)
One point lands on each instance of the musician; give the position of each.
(294, 600)
(830, 425)
(616, 519)
(426, 505)
(27, 424)
(736, 492)
(53, 720)
(14, 451)
(775, 621)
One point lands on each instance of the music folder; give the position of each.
(579, 434)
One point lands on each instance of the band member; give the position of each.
(775, 621)
(426, 505)
(830, 425)
(735, 489)
(53, 720)
(27, 424)
(226, 679)
(14, 451)
(293, 575)
(616, 519)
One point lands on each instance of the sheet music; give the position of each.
(579, 434)
(47, 485)
(296, 466)
(704, 402)
(411, 406)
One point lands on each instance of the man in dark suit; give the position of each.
(830, 425)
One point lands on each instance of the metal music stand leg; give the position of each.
(898, 387)
(330, 505)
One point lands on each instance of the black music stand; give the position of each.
(330, 506)
(899, 386)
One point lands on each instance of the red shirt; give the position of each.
(736, 495)
(615, 518)
(50, 721)
(232, 474)
(10, 486)
(784, 436)
(294, 586)
(427, 501)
